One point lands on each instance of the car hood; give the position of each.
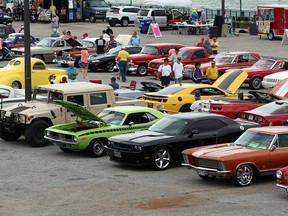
(278, 75)
(159, 60)
(72, 42)
(79, 111)
(223, 151)
(124, 39)
(231, 81)
(281, 88)
(142, 137)
(101, 56)
(142, 56)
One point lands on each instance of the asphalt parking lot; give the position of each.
(46, 181)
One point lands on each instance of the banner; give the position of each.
(154, 29)
(263, 27)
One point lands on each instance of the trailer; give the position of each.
(272, 20)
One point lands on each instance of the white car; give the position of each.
(271, 80)
(122, 15)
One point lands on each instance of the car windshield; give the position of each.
(265, 63)
(276, 107)
(151, 50)
(46, 42)
(114, 51)
(170, 90)
(184, 53)
(11, 38)
(255, 140)
(40, 95)
(111, 117)
(224, 58)
(170, 125)
(89, 44)
(97, 3)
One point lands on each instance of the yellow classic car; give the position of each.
(14, 73)
(176, 98)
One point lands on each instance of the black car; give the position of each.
(161, 145)
(107, 61)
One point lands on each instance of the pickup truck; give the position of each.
(33, 117)
(189, 55)
(139, 62)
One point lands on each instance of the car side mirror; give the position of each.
(192, 133)
(273, 147)
(131, 123)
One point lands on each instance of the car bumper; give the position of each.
(268, 84)
(283, 186)
(112, 19)
(126, 157)
(207, 171)
(63, 62)
(10, 127)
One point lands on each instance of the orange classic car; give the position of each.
(258, 151)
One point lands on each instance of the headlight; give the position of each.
(137, 148)
(186, 158)
(75, 139)
(279, 174)
(48, 133)
(21, 118)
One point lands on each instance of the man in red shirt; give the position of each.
(200, 44)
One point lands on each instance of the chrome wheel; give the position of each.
(109, 66)
(255, 83)
(96, 148)
(271, 36)
(125, 22)
(244, 175)
(92, 18)
(142, 70)
(161, 158)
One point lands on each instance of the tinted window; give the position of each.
(208, 92)
(39, 66)
(112, 10)
(135, 10)
(199, 54)
(207, 125)
(283, 140)
(252, 59)
(133, 50)
(98, 98)
(137, 118)
(143, 12)
(76, 99)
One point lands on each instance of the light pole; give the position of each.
(241, 8)
(27, 51)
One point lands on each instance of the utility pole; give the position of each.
(223, 10)
(27, 51)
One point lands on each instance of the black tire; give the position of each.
(96, 148)
(244, 175)
(65, 150)
(112, 23)
(34, 133)
(10, 136)
(271, 35)
(207, 177)
(16, 85)
(124, 22)
(109, 66)
(161, 158)
(185, 108)
(255, 83)
(38, 56)
(92, 18)
(142, 70)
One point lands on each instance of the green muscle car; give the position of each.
(90, 132)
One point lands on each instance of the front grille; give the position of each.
(61, 137)
(206, 163)
(120, 146)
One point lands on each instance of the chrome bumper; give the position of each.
(61, 142)
(283, 186)
(207, 171)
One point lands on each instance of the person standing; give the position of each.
(215, 46)
(165, 70)
(123, 59)
(10, 28)
(207, 45)
(135, 39)
(52, 79)
(55, 33)
(175, 55)
(84, 61)
(55, 22)
(212, 73)
(113, 83)
(178, 71)
(111, 44)
(197, 73)
(72, 72)
(203, 16)
(100, 45)
(200, 44)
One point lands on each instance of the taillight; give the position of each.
(116, 12)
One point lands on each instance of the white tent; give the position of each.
(180, 3)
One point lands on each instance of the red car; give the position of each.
(139, 62)
(260, 69)
(282, 178)
(225, 61)
(232, 108)
(189, 55)
(274, 113)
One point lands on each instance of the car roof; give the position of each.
(124, 7)
(271, 129)
(239, 52)
(22, 59)
(163, 44)
(76, 87)
(197, 116)
(127, 109)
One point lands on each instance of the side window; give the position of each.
(151, 117)
(98, 98)
(159, 13)
(206, 125)
(208, 92)
(39, 66)
(252, 59)
(76, 99)
(133, 50)
(127, 10)
(137, 118)
(164, 51)
(199, 54)
(283, 140)
(135, 10)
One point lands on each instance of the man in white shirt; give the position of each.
(178, 71)
(175, 55)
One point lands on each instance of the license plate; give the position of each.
(202, 172)
(150, 105)
(250, 117)
(117, 154)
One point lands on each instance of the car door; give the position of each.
(160, 17)
(209, 92)
(279, 155)
(40, 74)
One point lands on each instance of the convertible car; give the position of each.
(91, 132)
(259, 151)
(176, 98)
(232, 108)
(161, 145)
(14, 73)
